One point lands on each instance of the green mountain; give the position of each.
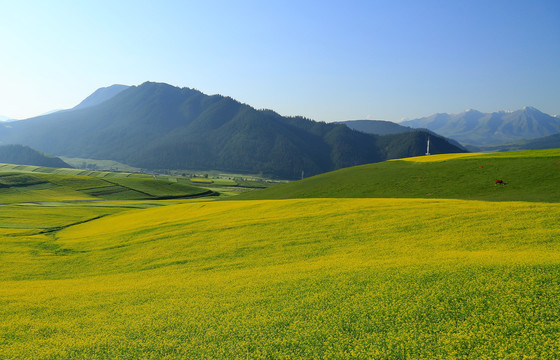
(476, 128)
(381, 127)
(24, 155)
(158, 126)
(528, 175)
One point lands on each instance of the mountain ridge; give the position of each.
(380, 127)
(473, 127)
(159, 126)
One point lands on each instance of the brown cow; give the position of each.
(499, 181)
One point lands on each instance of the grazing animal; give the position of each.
(499, 181)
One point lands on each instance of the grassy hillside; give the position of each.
(17, 187)
(309, 278)
(529, 176)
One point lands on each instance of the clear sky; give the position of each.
(325, 60)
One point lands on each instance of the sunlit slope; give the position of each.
(528, 176)
(17, 187)
(307, 278)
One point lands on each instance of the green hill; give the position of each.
(158, 126)
(24, 155)
(529, 176)
(20, 187)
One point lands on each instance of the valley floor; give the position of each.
(282, 279)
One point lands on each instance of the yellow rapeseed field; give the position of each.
(509, 154)
(283, 279)
(438, 157)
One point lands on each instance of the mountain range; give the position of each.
(159, 126)
(476, 128)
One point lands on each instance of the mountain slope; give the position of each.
(476, 128)
(158, 126)
(380, 127)
(101, 95)
(24, 155)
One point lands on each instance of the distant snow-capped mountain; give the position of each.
(477, 128)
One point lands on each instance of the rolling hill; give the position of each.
(529, 176)
(476, 128)
(39, 186)
(158, 126)
(24, 155)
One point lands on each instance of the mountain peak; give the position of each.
(530, 109)
(477, 128)
(471, 112)
(101, 95)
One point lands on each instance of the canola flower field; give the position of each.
(362, 278)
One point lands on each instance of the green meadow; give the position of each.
(528, 176)
(18, 187)
(312, 269)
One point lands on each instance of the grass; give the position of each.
(157, 188)
(529, 176)
(310, 278)
(212, 184)
(44, 193)
(17, 187)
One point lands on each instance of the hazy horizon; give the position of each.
(5, 118)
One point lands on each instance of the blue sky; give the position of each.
(326, 60)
